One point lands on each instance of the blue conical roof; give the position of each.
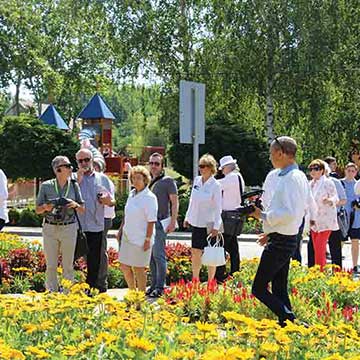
(51, 117)
(96, 109)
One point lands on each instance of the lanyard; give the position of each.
(57, 189)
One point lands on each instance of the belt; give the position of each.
(58, 223)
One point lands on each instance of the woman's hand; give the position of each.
(214, 233)
(147, 244)
(327, 201)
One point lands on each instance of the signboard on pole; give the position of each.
(192, 117)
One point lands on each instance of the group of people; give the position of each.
(86, 198)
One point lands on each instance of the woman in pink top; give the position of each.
(325, 221)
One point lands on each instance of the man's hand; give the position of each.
(256, 214)
(105, 200)
(186, 224)
(47, 207)
(262, 240)
(72, 204)
(312, 223)
(147, 244)
(171, 227)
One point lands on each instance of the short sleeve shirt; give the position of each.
(163, 188)
(51, 190)
(91, 185)
(140, 209)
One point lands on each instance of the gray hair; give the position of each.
(87, 151)
(57, 160)
(286, 144)
(233, 167)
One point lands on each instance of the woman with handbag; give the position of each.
(204, 212)
(137, 232)
(58, 200)
(325, 220)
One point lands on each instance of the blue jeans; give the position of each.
(158, 259)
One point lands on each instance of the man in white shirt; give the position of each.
(232, 187)
(3, 197)
(281, 221)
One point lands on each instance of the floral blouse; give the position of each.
(326, 216)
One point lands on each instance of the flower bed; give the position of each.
(24, 266)
(193, 321)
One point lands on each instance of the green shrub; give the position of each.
(38, 282)
(28, 217)
(119, 209)
(116, 278)
(14, 216)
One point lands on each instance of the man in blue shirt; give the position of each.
(96, 190)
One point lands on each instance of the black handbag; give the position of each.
(81, 248)
(232, 221)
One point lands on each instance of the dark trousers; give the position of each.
(297, 253)
(94, 240)
(103, 267)
(335, 240)
(274, 268)
(232, 247)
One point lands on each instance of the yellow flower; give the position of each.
(183, 355)
(161, 357)
(29, 328)
(269, 347)
(38, 353)
(140, 343)
(70, 350)
(205, 327)
(106, 338)
(8, 353)
(334, 357)
(186, 338)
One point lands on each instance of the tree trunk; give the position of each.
(269, 112)
(17, 97)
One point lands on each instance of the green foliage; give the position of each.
(28, 217)
(222, 139)
(115, 278)
(14, 216)
(28, 146)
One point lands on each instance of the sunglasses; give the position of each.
(279, 144)
(315, 168)
(202, 166)
(155, 163)
(80, 161)
(68, 166)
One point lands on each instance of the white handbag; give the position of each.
(214, 255)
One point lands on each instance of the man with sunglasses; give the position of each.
(96, 190)
(281, 221)
(58, 200)
(164, 187)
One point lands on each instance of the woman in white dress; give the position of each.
(137, 230)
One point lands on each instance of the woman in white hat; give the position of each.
(232, 186)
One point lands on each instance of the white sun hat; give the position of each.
(226, 160)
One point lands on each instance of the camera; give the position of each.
(356, 204)
(59, 209)
(250, 201)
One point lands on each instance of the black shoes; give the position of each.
(156, 293)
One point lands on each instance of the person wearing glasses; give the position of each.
(96, 190)
(58, 199)
(325, 221)
(204, 212)
(281, 220)
(165, 190)
(353, 210)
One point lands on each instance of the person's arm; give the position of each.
(332, 196)
(357, 187)
(41, 205)
(217, 208)
(108, 199)
(149, 233)
(174, 200)
(3, 186)
(186, 220)
(78, 203)
(151, 209)
(342, 195)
